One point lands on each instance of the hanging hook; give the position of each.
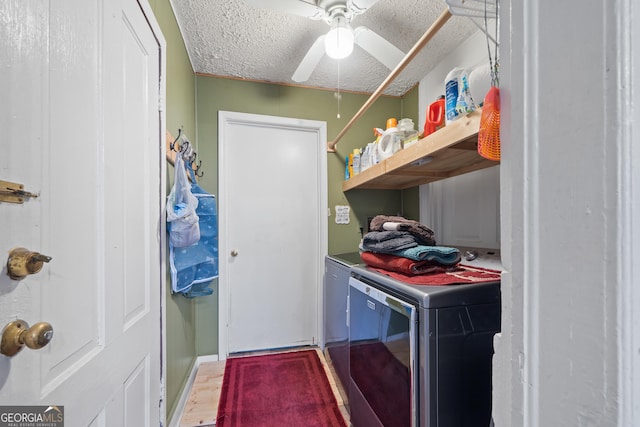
(192, 156)
(197, 169)
(186, 152)
(173, 144)
(186, 149)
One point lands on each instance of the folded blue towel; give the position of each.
(440, 254)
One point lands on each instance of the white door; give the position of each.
(273, 232)
(81, 121)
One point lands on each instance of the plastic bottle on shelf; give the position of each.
(395, 136)
(350, 163)
(371, 156)
(435, 116)
(356, 161)
(389, 142)
(365, 158)
(375, 156)
(464, 104)
(406, 132)
(451, 84)
(480, 82)
(347, 175)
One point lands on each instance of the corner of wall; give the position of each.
(180, 113)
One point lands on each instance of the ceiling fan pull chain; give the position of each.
(339, 96)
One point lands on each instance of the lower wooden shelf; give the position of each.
(448, 152)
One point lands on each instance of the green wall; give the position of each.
(180, 113)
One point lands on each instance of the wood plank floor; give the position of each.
(202, 405)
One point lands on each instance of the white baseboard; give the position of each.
(177, 414)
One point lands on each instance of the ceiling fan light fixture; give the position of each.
(339, 40)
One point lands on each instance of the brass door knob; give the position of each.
(17, 334)
(23, 262)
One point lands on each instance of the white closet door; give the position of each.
(273, 231)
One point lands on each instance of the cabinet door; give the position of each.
(464, 210)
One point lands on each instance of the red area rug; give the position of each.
(283, 389)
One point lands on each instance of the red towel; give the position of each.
(401, 264)
(427, 272)
(459, 275)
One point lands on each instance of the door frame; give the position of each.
(225, 119)
(162, 224)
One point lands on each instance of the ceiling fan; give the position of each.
(338, 42)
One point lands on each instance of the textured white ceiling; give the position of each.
(234, 39)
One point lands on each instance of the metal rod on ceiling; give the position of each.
(426, 38)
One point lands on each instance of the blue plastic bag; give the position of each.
(194, 267)
(182, 219)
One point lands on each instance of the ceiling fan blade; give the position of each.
(295, 7)
(360, 6)
(378, 47)
(310, 61)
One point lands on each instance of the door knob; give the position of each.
(23, 262)
(17, 334)
(234, 252)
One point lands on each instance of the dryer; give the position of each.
(420, 355)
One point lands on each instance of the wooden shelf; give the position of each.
(447, 152)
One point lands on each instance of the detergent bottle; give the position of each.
(435, 116)
(347, 174)
(365, 158)
(407, 133)
(389, 142)
(464, 104)
(356, 161)
(451, 85)
(375, 155)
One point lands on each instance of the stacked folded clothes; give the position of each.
(388, 241)
(437, 254)
(399, 237)
(400, 264)
(423, 234)
(406, 247)
(406, 250)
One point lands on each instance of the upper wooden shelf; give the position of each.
(447, 152)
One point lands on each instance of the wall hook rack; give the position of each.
(182, 146)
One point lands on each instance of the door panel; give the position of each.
(85, 126)
(134, 387)
(70, 134)
(273, 213)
